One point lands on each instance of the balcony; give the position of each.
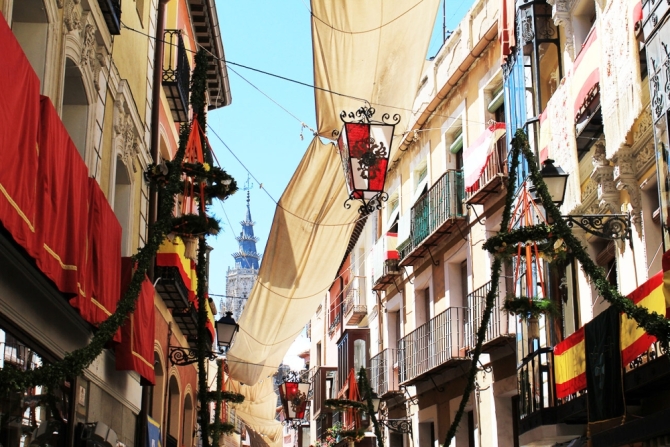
(541, 415)
(176, 75)
(170, 286)
(384, 373)
(494, 178)
(385, 258)
(501, 328)
(433, 216)
(323, 384)
(187, 320)
(111, 12)
(433, 346)
(354, 309)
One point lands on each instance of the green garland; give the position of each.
(652, 322)
(195, 225)
(166, 178)
(345, 404)
(490, 297)
(526, 307)
(367, 392)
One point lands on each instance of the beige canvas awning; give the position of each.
(373, 50)
(306, 245)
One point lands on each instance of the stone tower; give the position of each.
(241, 278)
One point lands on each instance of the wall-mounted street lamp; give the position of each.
(365, 147)
(606, 226)
(226, 328)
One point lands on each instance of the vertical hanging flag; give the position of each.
(570, 365)
(603, 366)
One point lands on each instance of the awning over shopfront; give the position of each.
(368, 50)
(476, 156)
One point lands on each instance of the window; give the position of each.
(75, 107)
(583, 18)
(30, 27)
(123, 205)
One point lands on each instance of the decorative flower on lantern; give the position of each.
(365, 147)
(293, 394)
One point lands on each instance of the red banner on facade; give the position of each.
(136, 351)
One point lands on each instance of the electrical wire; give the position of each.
(314, 87)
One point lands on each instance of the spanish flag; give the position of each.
(570, 364)
(634, 340)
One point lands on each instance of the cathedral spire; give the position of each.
(247, 257)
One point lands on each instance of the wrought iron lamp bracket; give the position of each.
(606, 226)
(294, 424)
(370, 205)
(180, 356)
(397, 425)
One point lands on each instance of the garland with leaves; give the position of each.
(652, 322)
(366, 405)
(167, 178)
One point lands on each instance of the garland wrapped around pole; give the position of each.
(652, 322)
(490, 297)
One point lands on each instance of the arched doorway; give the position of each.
(187, 433)
(173, 413)
(158, 390)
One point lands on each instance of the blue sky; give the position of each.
(273, 36)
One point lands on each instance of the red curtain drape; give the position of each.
(19, 119)
(62, 215)
(136, 350)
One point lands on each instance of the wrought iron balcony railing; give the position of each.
(384, 372)
(111, 12)
(535, 377)
(492, 180)
(176, 75)
(354, 308)
(501, 326)
(433, 215)
(432, 345)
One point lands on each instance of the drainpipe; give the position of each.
(155, 113)
(153, 192)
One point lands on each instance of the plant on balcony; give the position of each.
(331, 438)
(529, 307)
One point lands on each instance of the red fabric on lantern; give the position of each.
(136, 350)
(19, 119)
(62, 213)
(101, 283)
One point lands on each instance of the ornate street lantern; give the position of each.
(365, 147)
(293, 394)
(556, 180)
(226, 328)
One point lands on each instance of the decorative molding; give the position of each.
(91, 56)
(126, 134)
(625, 178)
(72, 15)
(603, 175)
(565, 21)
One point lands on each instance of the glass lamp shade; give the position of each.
(226, 328)
(556, 180)
(375, 403)
(293, 397)
(365, 149)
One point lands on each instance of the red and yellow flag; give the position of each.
(570, 364)
(634, 340)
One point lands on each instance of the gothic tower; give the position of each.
(241, 278)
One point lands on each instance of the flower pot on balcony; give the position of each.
(533, 328)
(191, 248)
